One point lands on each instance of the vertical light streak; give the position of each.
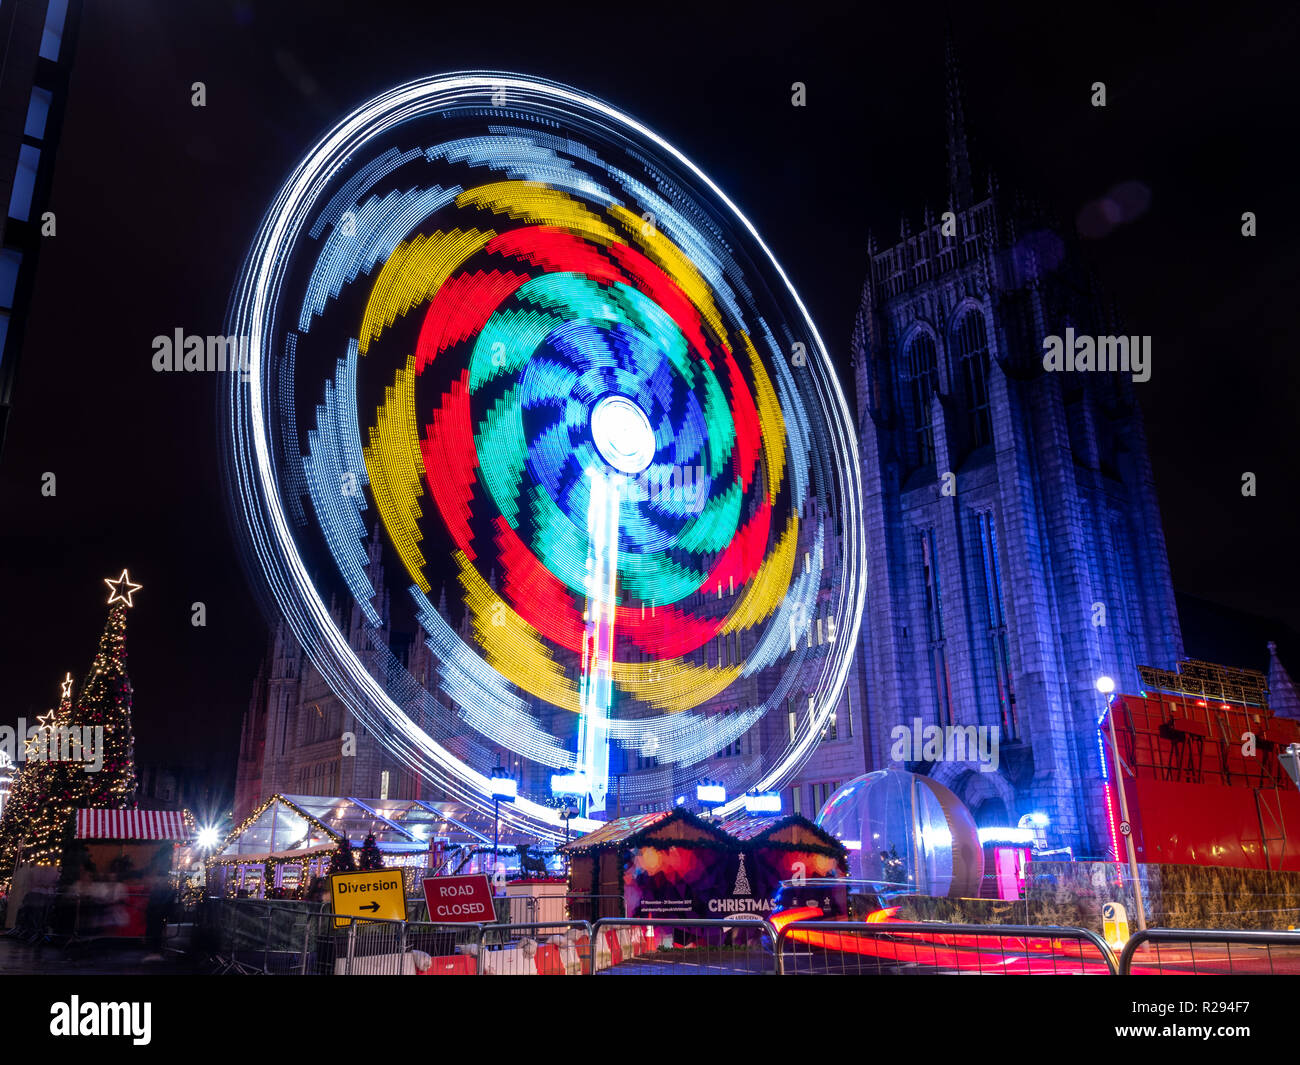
(597, 689)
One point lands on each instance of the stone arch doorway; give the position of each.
(989, 796)
(990, 813)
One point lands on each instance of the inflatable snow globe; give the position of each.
(907, 830)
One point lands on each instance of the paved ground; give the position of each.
(111, 957)
(88, 959)
(738, 963)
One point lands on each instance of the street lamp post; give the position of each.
(1107, 688)
(567, 813)
(504, 789)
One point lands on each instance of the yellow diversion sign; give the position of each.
(376, 894)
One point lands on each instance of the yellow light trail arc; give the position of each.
(673, 685)
(413, 274)
(765, 592)
(530, 201)
(769, 420)
(394, 465)
(677, 265)
(512, 646)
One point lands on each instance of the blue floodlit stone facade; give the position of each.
(1016, 551)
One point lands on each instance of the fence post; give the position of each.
(352, 943)
(266, 940)
(306, 940)
(401, 949)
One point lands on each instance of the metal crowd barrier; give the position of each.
(582, 907)
(1175, 951)
(272, 937)
(179, 928)
(370, 947)
(740, 945)
(889, 948)
(531, 909)
(542, 948)
(253, 935)
(275, 937)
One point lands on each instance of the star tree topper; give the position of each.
(116, 587)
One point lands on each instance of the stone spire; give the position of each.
(960, 190)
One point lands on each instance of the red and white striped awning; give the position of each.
(131, 824)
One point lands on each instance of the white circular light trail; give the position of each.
(621, 430)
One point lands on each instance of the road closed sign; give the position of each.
(459, 899)
(375, 894)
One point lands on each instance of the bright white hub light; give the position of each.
(622, 434)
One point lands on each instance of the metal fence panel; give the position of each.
(539, 948)
(259, 936)
(592, 908)
(741, 945)
(1207, 951)
(898, 948)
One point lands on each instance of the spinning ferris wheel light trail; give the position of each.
(521, 339)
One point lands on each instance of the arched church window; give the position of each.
(920, 383)
(970, 347)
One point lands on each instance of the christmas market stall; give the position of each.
(120, 864)
(291, 840)
(277, 850)
(673, 863)
(778, 849)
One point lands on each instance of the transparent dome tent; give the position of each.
(907, 830)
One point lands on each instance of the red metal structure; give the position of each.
(1201, 773)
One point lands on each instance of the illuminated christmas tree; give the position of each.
(38, 820)
(34, 824)
(343, 860)
(371, 856)
(105, 703)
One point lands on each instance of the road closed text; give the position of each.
(459, 901)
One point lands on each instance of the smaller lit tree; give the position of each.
(371, 856)
(343, 860)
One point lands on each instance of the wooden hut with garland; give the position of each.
(786, 848)
(674, 863)
(677, 844)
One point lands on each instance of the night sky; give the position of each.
(157, 201)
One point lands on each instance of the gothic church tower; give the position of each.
(1015, 548)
